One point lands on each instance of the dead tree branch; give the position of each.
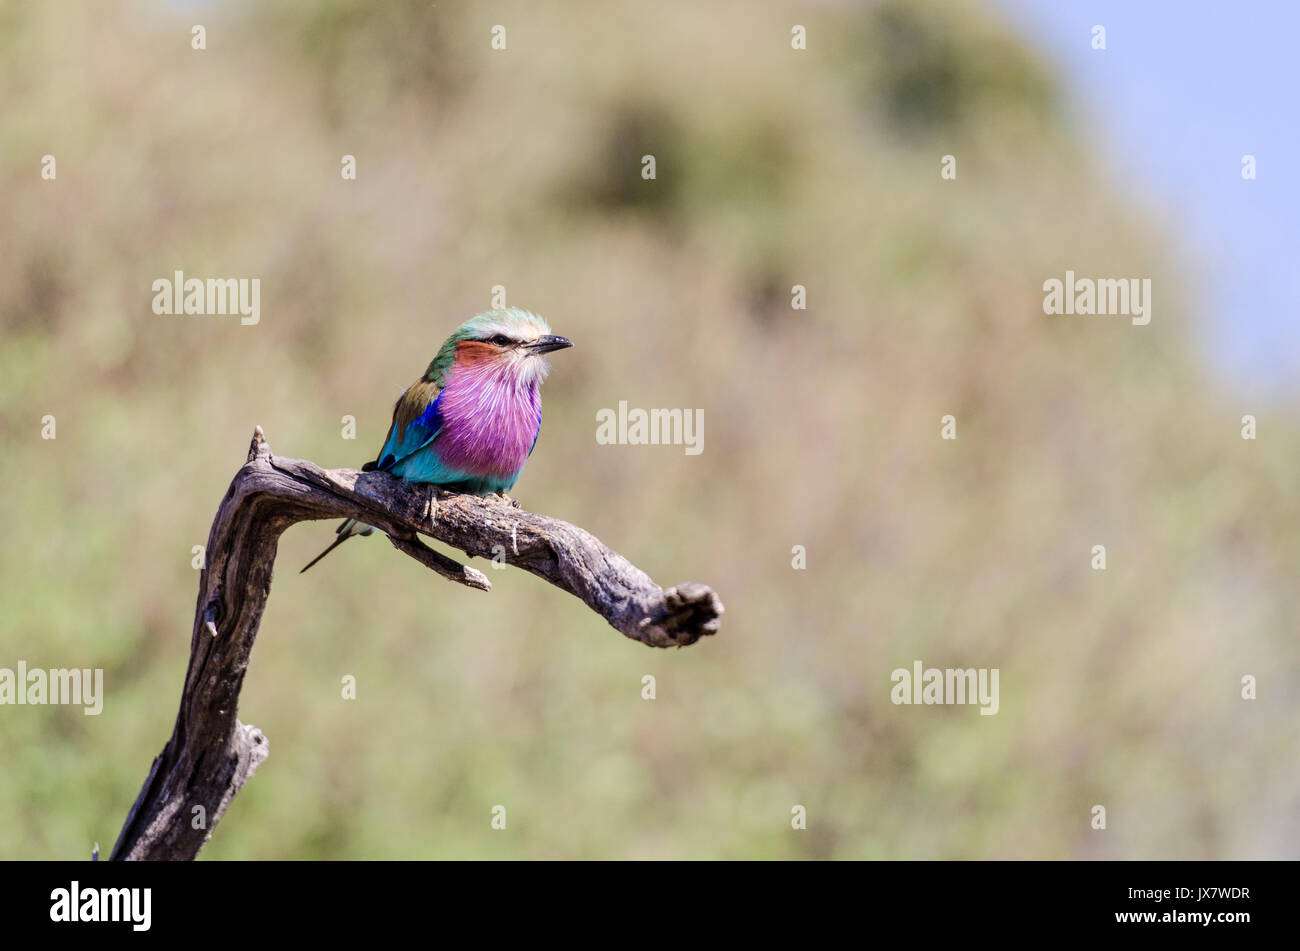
(211, 754)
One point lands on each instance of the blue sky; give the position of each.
(1183, 90)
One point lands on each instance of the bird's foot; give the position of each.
(513, 502)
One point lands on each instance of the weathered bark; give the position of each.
(211, 754)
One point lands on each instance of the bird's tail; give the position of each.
(345, 531)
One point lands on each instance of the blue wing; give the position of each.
(536, 434)
(405, 441)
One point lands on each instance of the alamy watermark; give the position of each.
(129, 905)
(948, 685)
(215, 297)
(77, 686)
(653, 427)
(1105, 297)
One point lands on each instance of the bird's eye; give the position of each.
(500, 340)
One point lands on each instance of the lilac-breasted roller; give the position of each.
(471, 421)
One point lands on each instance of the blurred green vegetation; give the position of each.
(522, 168)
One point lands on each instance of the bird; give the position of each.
(471, 421)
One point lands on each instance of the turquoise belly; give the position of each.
(424, 466)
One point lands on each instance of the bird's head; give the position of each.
(507, 340)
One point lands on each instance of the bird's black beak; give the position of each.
(548, 342)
